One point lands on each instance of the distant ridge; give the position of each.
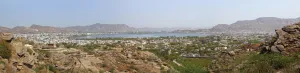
(98, 28)
(102, 28)
(263, 24)
(4, 29)
(49, 29)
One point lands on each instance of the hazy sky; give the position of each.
(142, 13)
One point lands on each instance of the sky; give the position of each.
(142, 13)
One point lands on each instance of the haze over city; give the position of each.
(142, 13)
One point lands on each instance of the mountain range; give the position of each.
(101, 28)
(263, 24)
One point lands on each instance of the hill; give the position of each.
(50, 29)
(102, 28)
(263, 24)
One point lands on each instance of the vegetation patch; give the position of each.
(192, 65)
(48, 67)
(2, 62)
(268, 63)
(5, 51)
(29, 51)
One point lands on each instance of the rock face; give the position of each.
(220, 27)
(287, 40)
(22, 57)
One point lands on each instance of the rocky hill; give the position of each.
(40, 28)
(18, 56)
(34, 29)
(220, 27)
(279, 55)
(263, 24)
(287, 40)
(22, 29)
(15, 56)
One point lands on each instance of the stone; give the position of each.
(232, 53)
(267, 48)
(280, 47)
(274, 49)
(18, 47)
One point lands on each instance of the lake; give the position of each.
(142, 35)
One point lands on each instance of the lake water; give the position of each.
(143, 35)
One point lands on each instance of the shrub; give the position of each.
(52, 68)
(29, 51)
(133, 67)
(267, 63)
(193, 69)
(2, 62)
(104, 65)
(44, 52)
(192, 65)
(89, 48)
(37, 69)
(48, 67)
(259, 67)
(254, 41)
(69, 45)
(5, 51)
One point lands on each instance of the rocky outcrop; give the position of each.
(48, 29)
(6, 36)
(287, 40)
(22, 58)
(262, 24)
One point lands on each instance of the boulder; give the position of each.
(280, 47)
(232, 53)
(6, 36)
(274, 49)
